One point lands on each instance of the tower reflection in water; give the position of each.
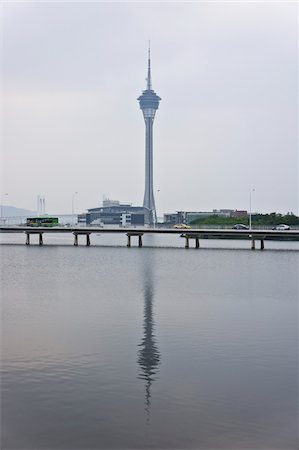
(148, 355)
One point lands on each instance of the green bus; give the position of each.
(42, 221)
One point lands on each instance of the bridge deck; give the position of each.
(194, 234)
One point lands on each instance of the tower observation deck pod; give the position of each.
(149, 103)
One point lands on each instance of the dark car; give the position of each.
(240, 226)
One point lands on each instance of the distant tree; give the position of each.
(268, 220)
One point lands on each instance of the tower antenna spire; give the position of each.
(149, 77)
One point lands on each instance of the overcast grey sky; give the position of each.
(227, 122)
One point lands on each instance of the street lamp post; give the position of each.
(158, 190)
(252, 190)
(73, 203)
(2, 201)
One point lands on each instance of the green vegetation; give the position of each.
(269, 220)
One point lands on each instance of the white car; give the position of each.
(282, 227)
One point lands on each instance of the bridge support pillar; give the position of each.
(187, 243)
(196, 243)
(76, 240)
(40, 241)
(27, 239)
(262, 244)
(87, 240)
(130, 234)
(252, 244)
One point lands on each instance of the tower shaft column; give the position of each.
(149, 201)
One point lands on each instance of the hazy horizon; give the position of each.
(226, 124)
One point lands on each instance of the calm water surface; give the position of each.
(160, 348)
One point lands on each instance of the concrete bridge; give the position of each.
(190, 235)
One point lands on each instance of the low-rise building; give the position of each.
(239, 213)
(116, 215)
(187, 217)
